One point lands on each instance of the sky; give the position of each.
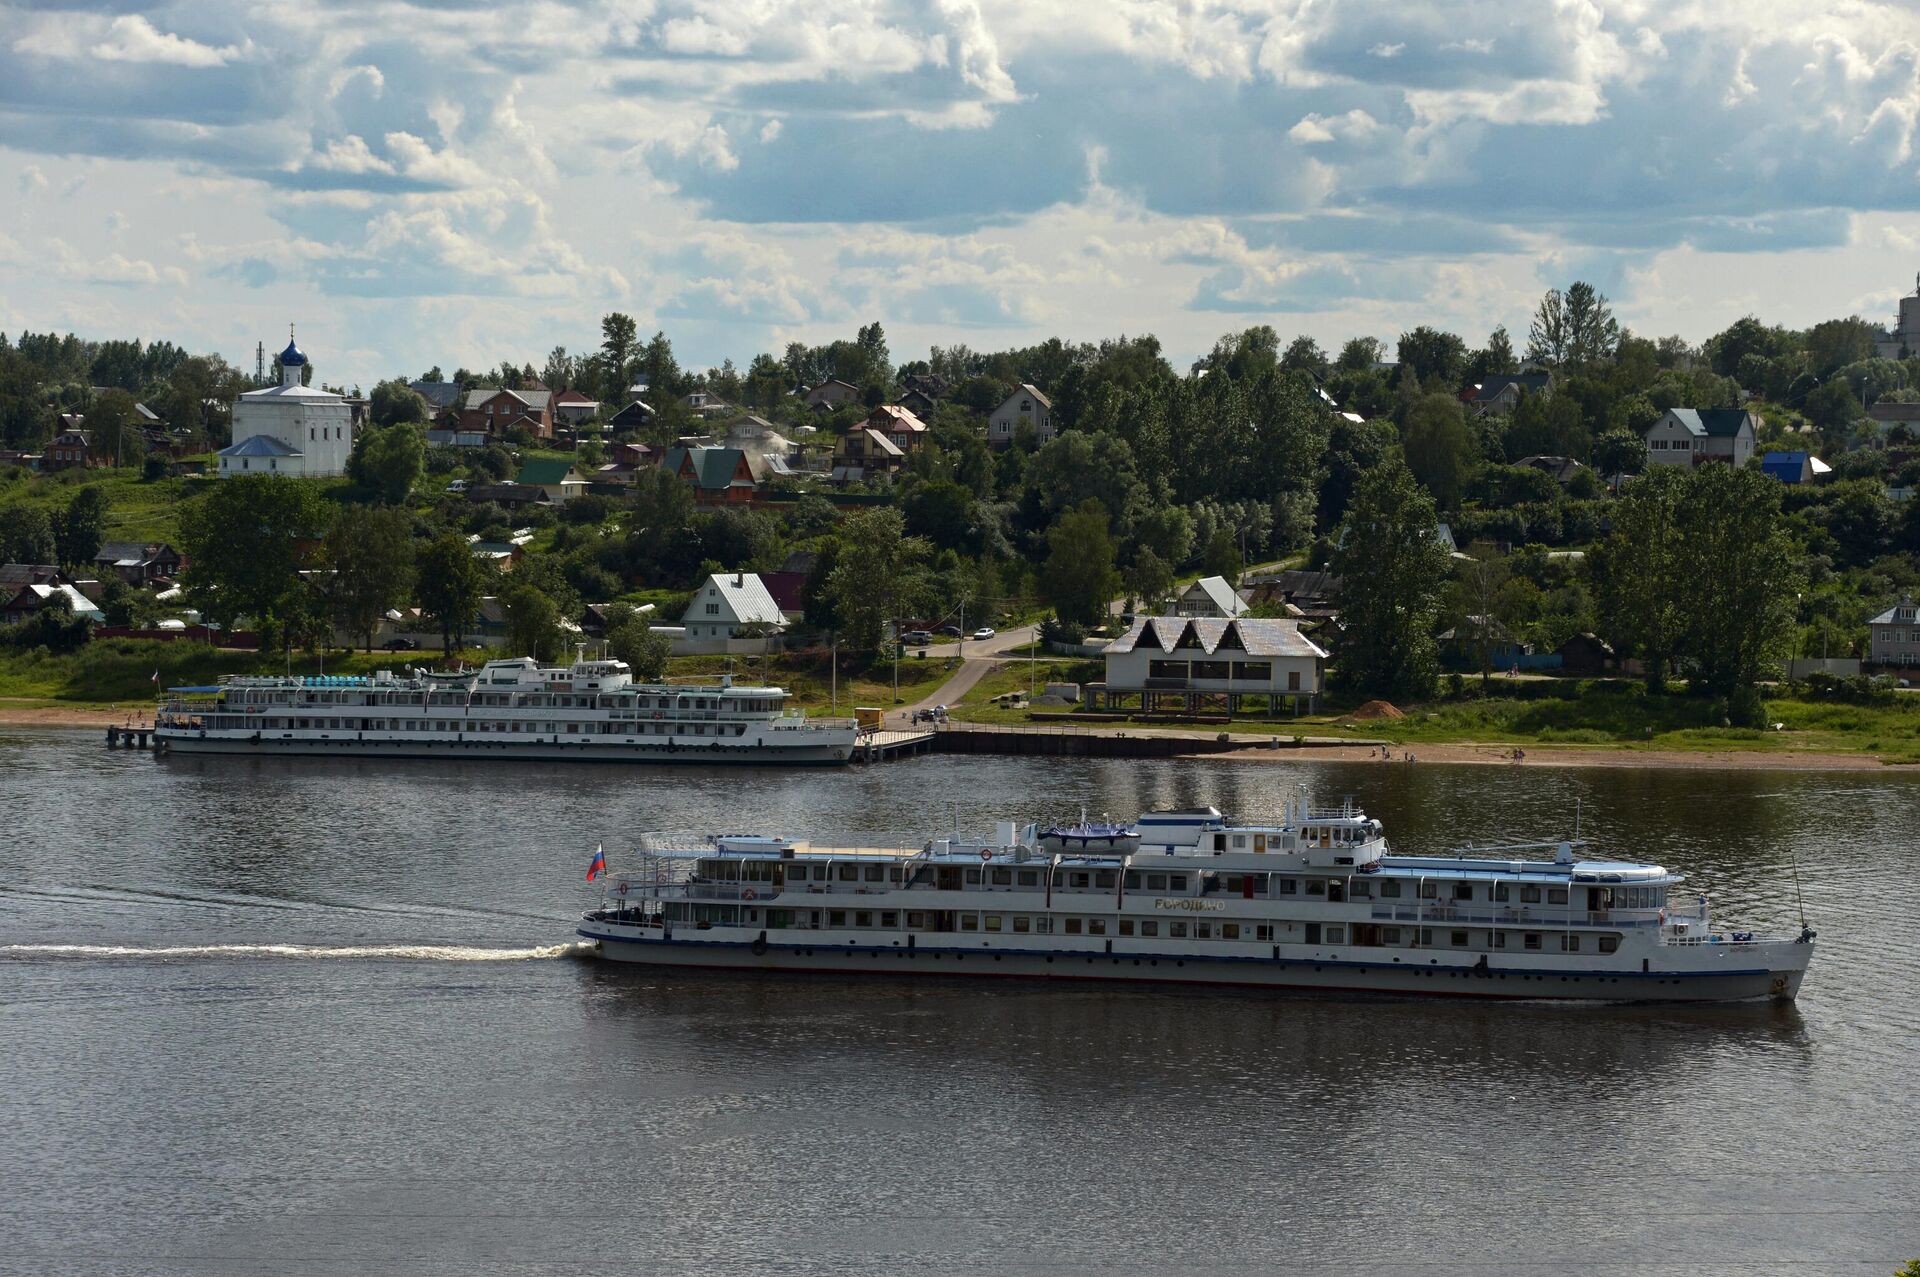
(457, 182)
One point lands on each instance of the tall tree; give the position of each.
(533, 622)
(393, 402)
(389, 461)
(1393, 572)
(246, 543)
(370, 551)
(114, 426)
(631, 639)
(27, 535)
(1078, 577)
(1303, 354)
(618, 334)
(1739, 576)
(1442, 450)
(450, 585)
(1638, 573)
(1434, 356)
(80, 525)
(1575, 328)
(878, 576)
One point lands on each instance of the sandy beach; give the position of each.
(76, 715)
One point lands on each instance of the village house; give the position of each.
(635, 416)
(1209, 596)
(929, 385)
(907, 431)
(625, 462)
(722, 476)
(140, 563)
(919, 403)
(864, 453)
(829, 395)
(1497, 396)
(440, 395)
(72, 448)
(730, 606)
(495, 410)
(1894, 635)
(1192, 665)
(1026, 406)
(702, 404)
(571, 408)
(1889, 418)
(1794, 467)
(1561, 469)
(557, 480)
(1585, 656)
(29, 599)
(1694, 436)
(15, 575)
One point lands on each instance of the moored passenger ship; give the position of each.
(1313, 901)
(589, 711)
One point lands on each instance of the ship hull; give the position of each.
(506, 749)
(1745, 977)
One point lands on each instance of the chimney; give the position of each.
(739, 580)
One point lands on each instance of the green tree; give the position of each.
(246, 543)
(1078, 577)
(1837, 343)
(1149, 580)
(1619, 452)
(1739, 576)
(27, 535)
(1833, 409)
(1393, 572)
(533, 622)
(618, 335)
(113, 423)
(389, 461)
(79, 530)
(1434, 356)
(449, 586)
(631, 639)
(395, 403)
(878, 576)
(1574, 328)
(371, 554)
(942, 511)
(1638, 573)
(1441, 449)
(1303, 354)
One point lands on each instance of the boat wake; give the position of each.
(390, 952)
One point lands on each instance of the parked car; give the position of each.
(951, 631)
(458, 485)
(917, 637)
(401, 645)
(984, 632)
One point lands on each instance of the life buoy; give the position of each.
(749, 894)
(621, 890)
(986, 854)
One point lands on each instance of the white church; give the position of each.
(289, 429)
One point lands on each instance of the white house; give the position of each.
(1190, 663)
(1693, 436)
(289, 429)
(723, 608)
(1895, 635)
(1026, 406)
(1209, 596)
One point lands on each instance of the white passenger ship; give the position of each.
(509, 709)
(1310, 902)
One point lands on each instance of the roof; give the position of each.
(713, 468)
(437, 393)
(1257, 637)
(898, 419)
(292, 356)
(1218, 593)
(631, 406)
(16, 575)
(1027, 387)
(542, 473)
(260, 446)
(1718, 423)
(130, 551)
(1561, 468)
(80, 603)
(746, 596)
(1891, 615)
(1492, 387)
(574, 396)
(1306, 583)
(533, 400)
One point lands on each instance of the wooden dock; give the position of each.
(885, 746)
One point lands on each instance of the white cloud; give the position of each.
(32, 180)
(1385, 50)
(350, 154)
(1352, 126)
(131, 38)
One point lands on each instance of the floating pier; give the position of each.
(969, 738)
(131, 738)
(885, 746)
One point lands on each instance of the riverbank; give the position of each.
(1573, 756)
(34, 714)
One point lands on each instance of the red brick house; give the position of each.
(494, 410)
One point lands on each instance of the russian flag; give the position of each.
(598, 865)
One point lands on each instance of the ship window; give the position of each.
(916, 919)
(1389, 935)
(1316, 886)
(1178, 930)
(1096, 926)
(1429, 890)
(973, 877)
(1156, 882)
(1609, 944)
(1336, 935)
(1289, 886)
(1426, 935)
(1073, 926)
(1126, 926)
(1133, 880)
(1362, 890)
(1043, 925)
(1529, 895)
(1570, 943)
(1104, 878)
(863, 919)
(1463, 891)
(1531, 940)
(1029, 877)
(1021, 924)
(1263, 931)
(836, 917)
(1003, 877)
(1556, 895)
(1148, 927)
(993, 922)
(1239, 840)
(1236, 884)
(1229, 931)
(1176, 882)
(1501, 892)
(1076, 880)
(876, 873)
(969, 922)
(893, 873)
(889, 919)
(1203, 931)
(1499, 939)
(1458, 939)
(849, 873)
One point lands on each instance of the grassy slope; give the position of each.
(810, 680)
(138, 509)
(121, 670)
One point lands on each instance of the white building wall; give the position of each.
(1133, 669)
(322, 429)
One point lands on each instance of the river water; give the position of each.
(324, 1017)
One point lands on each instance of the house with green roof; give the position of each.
(557, 479)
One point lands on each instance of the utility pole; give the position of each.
(833, 658)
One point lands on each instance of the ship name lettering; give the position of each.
(1189, 905)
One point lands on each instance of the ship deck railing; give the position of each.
(1540, 917)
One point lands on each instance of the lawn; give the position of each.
(137, 509)
(115, 671)
(1020, 676)
(808, 676)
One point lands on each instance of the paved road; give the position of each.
(977, 660)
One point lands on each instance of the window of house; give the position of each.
(713, 609)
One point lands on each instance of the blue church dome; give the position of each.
(291, 356)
